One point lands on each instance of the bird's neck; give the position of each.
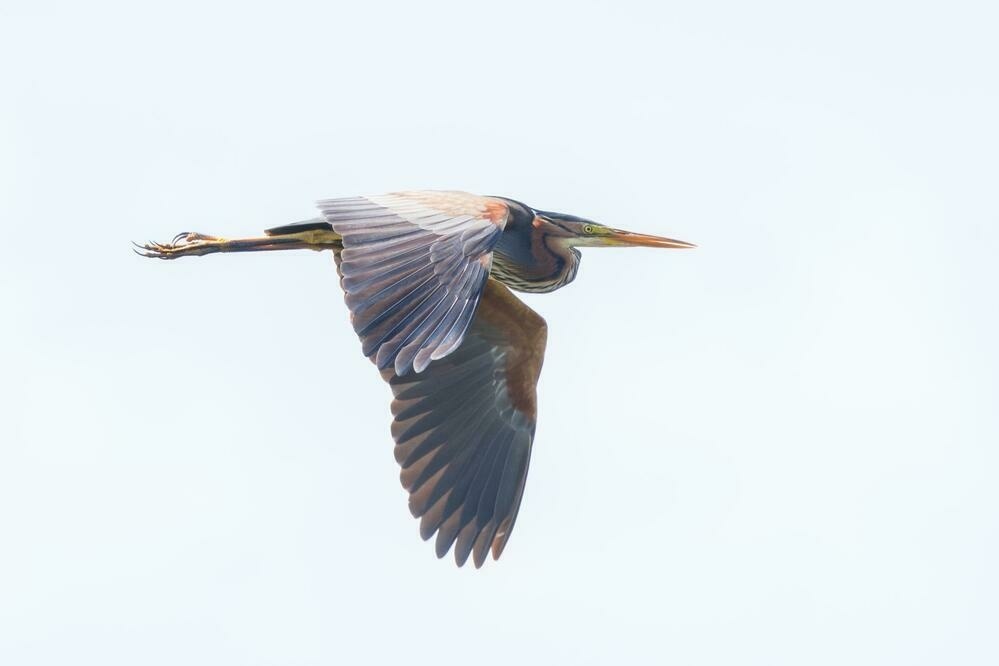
(531, 257)
(568, 260)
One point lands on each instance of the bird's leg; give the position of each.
(191, 244)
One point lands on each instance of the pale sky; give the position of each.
(779, 448)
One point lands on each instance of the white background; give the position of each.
(779, 448)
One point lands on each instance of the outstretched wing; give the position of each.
(413, 268)
(464, 428)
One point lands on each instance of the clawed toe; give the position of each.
(185, 243)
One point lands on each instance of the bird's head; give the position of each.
(580, 232)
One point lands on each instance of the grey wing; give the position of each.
(464, 429)
(413, 268)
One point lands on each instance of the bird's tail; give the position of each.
(315, 224)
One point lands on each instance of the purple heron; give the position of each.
(427, 278)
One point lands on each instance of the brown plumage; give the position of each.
(427, 276)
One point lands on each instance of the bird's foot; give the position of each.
(188, 243)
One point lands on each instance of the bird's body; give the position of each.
(426, 277)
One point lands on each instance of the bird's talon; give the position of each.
(183, 244)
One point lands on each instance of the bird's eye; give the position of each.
(587, 228)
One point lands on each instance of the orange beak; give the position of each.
(620, 238)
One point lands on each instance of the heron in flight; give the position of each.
(427, 278)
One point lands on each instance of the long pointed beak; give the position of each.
(619, 238)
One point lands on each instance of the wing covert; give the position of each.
(413, 268)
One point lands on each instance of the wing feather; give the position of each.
(464, 428)
(413, 268)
